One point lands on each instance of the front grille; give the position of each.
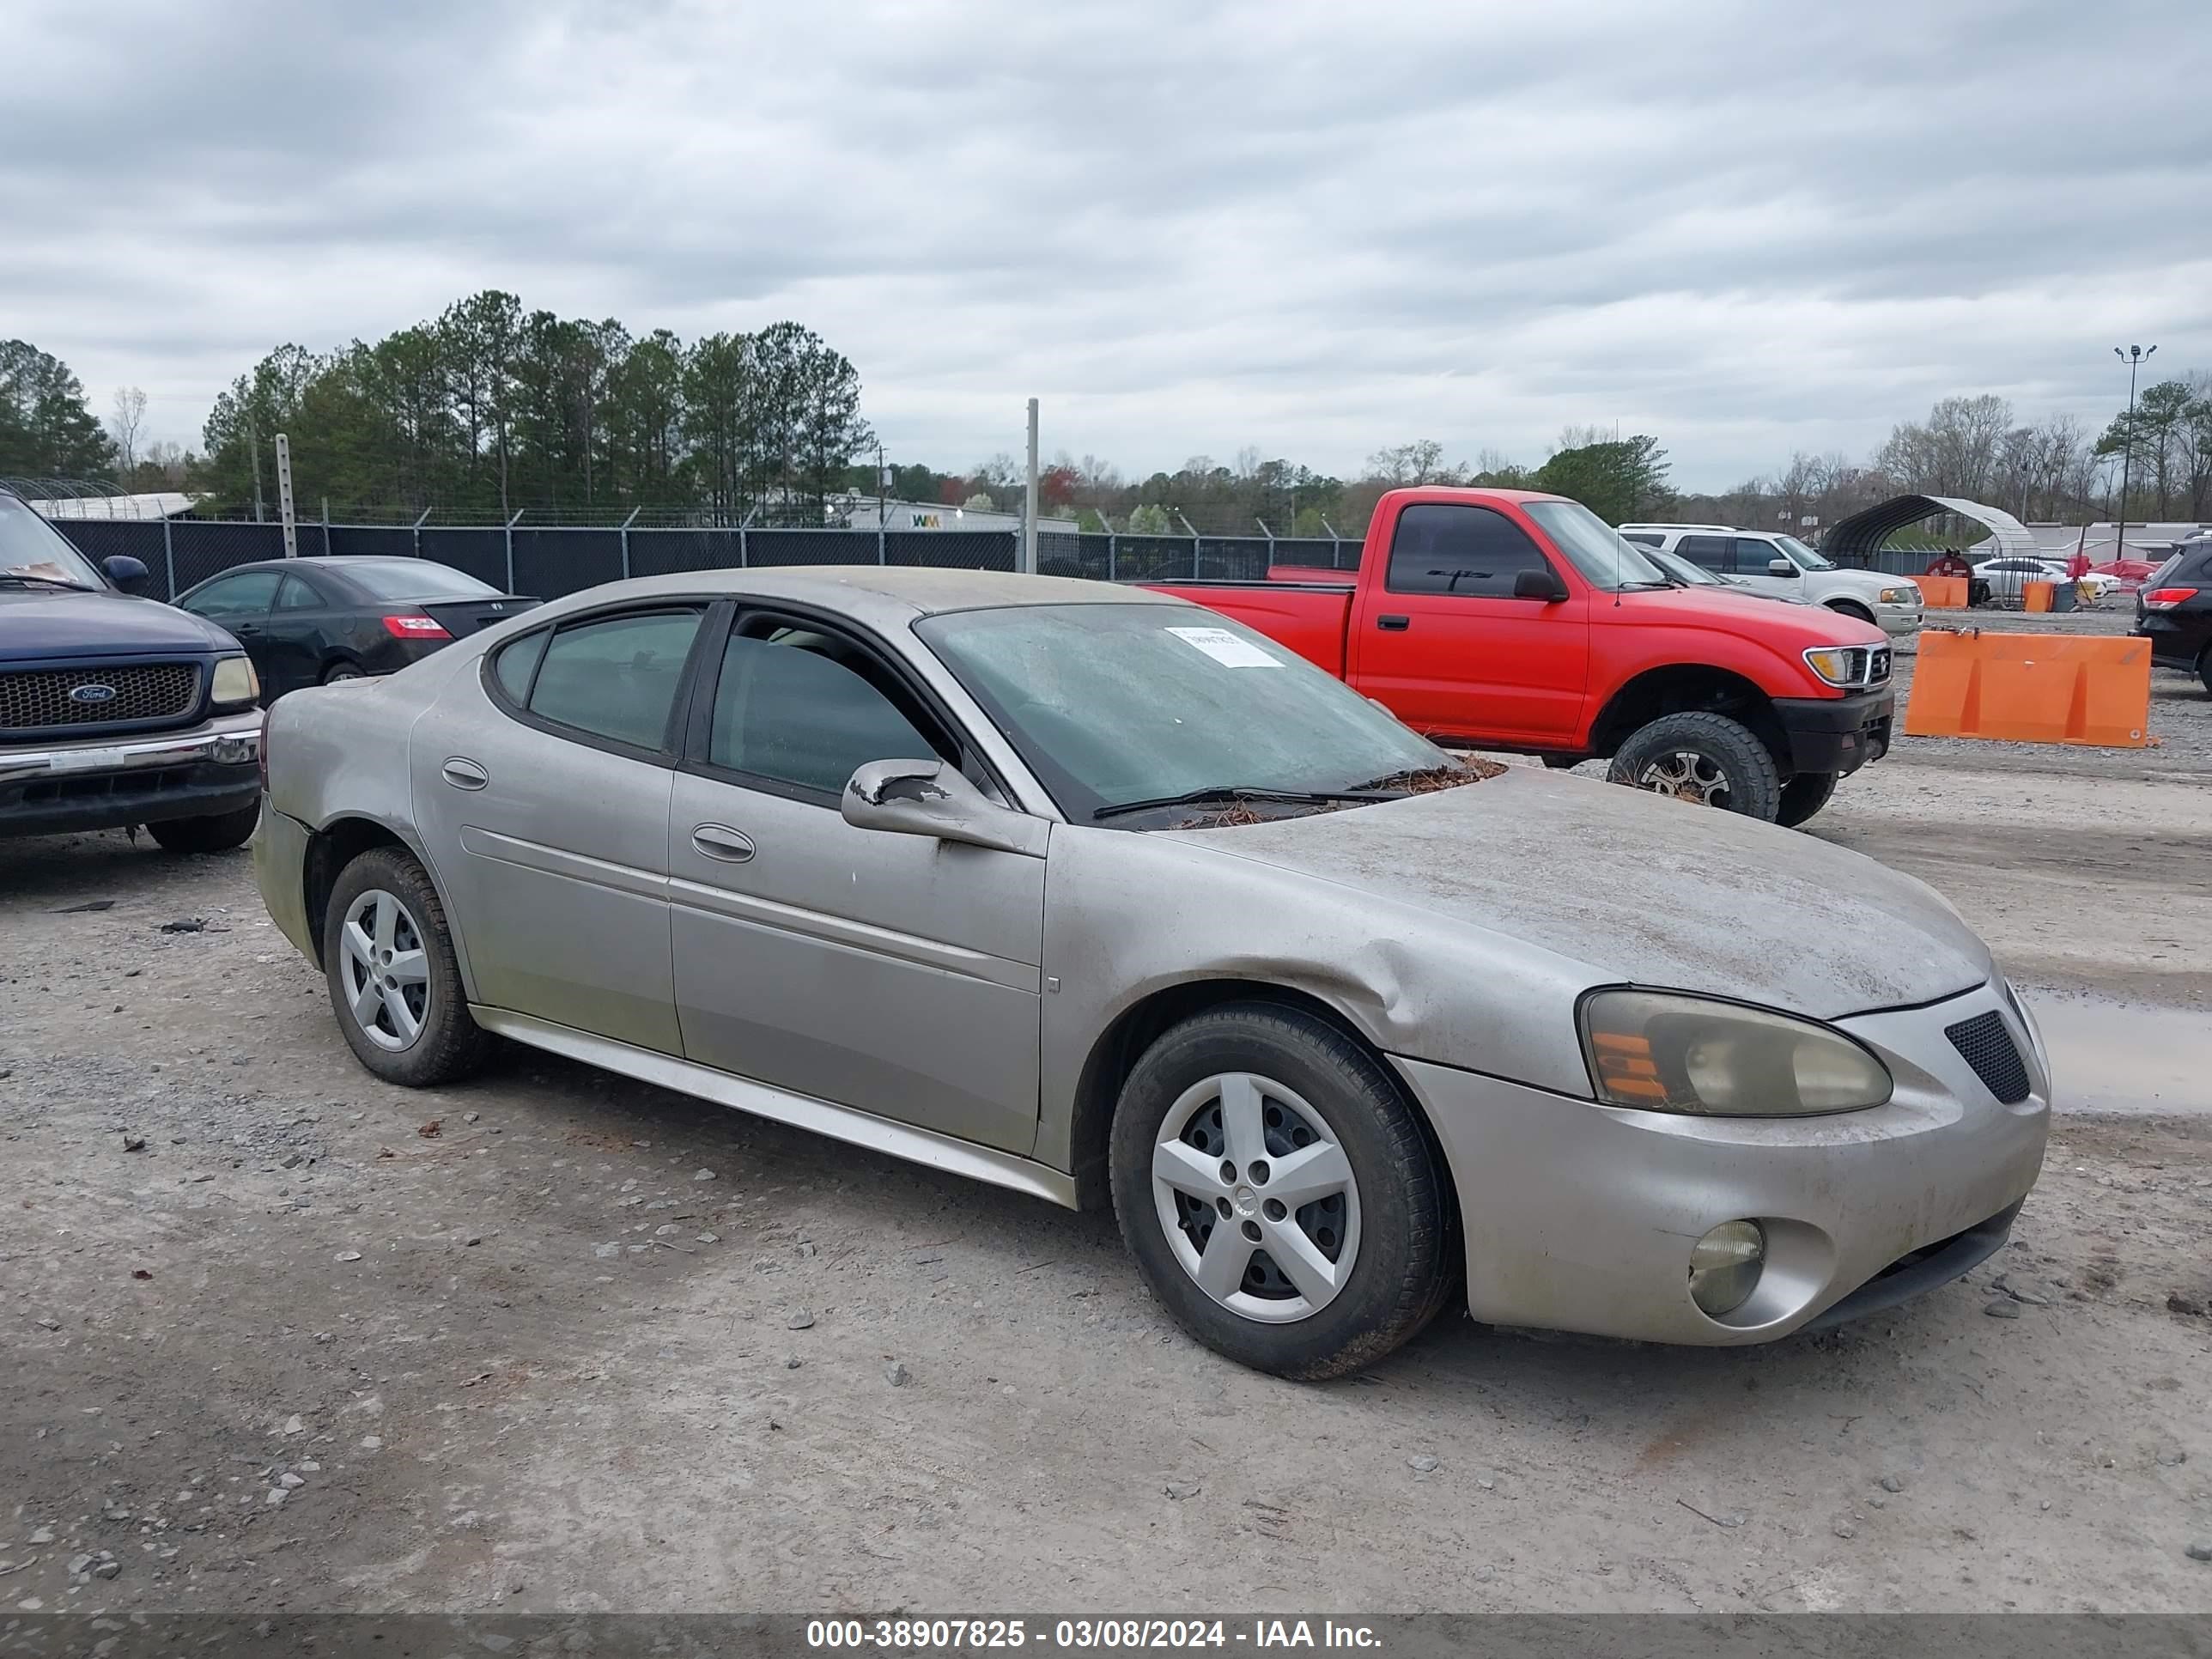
(32, 699)
(1986, 1045)
(1866, 666)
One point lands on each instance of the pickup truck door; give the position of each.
(1441, 641)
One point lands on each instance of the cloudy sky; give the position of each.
(1313, 228)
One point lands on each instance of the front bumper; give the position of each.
(108, 782)
(1898, 619)
(1581, 1217)
(1837, 734)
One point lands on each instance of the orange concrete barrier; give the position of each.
(2036, 596)
(2031, 687)
(1941, 593)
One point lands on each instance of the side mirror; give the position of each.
(1780, 568)
(1543, 585)
(930, 798)
(126, 572)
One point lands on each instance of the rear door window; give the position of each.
(616, 677)
(1707, 552)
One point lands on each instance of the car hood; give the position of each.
(42, 622)
(1637, 889)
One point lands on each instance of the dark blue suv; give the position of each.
(116, 710)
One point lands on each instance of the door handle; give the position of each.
(719, 841)
(246, 627)
(1394, 624)
(464, 774)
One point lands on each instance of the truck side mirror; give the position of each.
(1543, 585)
(1780, 568)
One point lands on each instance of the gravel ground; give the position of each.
(282, 1338)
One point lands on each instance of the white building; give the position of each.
(2143, 541)
(864, 511)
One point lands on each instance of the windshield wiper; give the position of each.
(50, 581)
(1239, 791)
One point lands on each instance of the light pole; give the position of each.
(2133, 357)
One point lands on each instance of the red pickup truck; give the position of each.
(1508, 620)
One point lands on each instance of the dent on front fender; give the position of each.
(1129, 915)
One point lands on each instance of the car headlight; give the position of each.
(1899, 595)
(1832, 663)
(235, 682)
(1664, 1052)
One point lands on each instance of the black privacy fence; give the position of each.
(178, 553)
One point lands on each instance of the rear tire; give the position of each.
(217, 833)
(395, 984)
(1708, 759)
(1803, 796)
(341, 671)
(2204, 669)
(1252, 1099)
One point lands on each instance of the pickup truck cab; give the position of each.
(117, 711)
(1504, 619)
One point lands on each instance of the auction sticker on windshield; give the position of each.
(1225, 648)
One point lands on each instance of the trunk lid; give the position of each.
(462, 617)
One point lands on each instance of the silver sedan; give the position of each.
(1094, 895)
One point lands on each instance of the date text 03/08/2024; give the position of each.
(1111, 1634)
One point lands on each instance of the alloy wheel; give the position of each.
(1687, 775)
(1256, 1197)
(385, 970)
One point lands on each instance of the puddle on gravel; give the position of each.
(2134, 1058)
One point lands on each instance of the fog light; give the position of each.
(238, 750)
(1725, 1265)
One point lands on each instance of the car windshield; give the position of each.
(416, 579)
(1598, 550)
(31, 550)
(1109, 704)
(1803, 556)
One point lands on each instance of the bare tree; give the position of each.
(125, 423)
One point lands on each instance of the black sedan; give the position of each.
(309, 622)
(2173, 611)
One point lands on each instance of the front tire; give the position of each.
(1845, 608)
(1803, 796)
(1707, 759)
(1277, 1193)
(395, 984)
(217, 833)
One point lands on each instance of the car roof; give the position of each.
(1728, 529)
(882, 595)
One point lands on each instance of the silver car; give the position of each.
(1097, 896)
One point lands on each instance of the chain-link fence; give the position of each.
(548, 563)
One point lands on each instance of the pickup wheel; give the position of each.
(395, 984)
(1706, 759)
(217, 833)
(1803, 796)
(1279, 1193)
